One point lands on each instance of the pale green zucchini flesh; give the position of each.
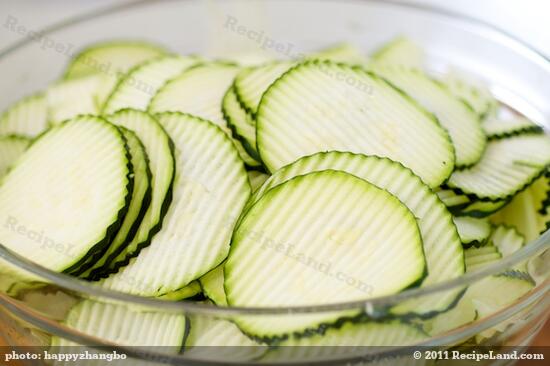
(43, 201)
(281, 247)
(210, 189)
(307, 111)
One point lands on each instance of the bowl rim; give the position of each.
(82, 287)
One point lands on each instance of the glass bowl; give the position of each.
(518, 75)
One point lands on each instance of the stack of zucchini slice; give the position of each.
(318, 181)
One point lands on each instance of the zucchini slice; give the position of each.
(309, 110)
(340, 52)
(477, 252)
(349, 340)
(27, 117)
(496, 293)
(473, 231)
(212, 285)
(496, 128)
(11, 148)
(256, 179)
(508, 241)
(451, 199)
(483, 298)
(240, 122)
(442, 246)
(400, 51)
(507, 167)
(251, 83)
(479, 209)
(139, 85)
(111, 58)
(160, 151)
(211, 188)
(191, 290)
(198, 91)
(70, 98)
(215, 339)
(527, 212)
(320, 238)
(139, 204)
(472, 91)
(455, 116)
(43, 201)
(477, 261)
(124, 326)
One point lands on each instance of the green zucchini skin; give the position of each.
(121, 258)
(91, 270)
(242, 290)
(210, 189)
(427, 207)
(82, 127)
(103, 246)
(280, 115)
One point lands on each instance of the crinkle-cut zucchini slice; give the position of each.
(281, 249)
(528, 210)
(441, 242)
(198, 91)
(217, 339)
(160, 152)
(340, 52)
(27, 117)
(323, 106)
(257, 179)
(496, 293)
(240, 122)
(473, 231)
(507, 167)
(139, 85)
(400, 51)
(123, 326)
(497, 128)
(462, 123)
(212, 285)
(477, 252)
(210, 190)
(508, 240)
(11, 148)
(472, 91)
(139, 204)
(451, 199)
(111, 58)
(70, 98)
(191, 290)
(477, 208)
(252, 82)
(351, 339)
(482, 298)
(43, 201)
